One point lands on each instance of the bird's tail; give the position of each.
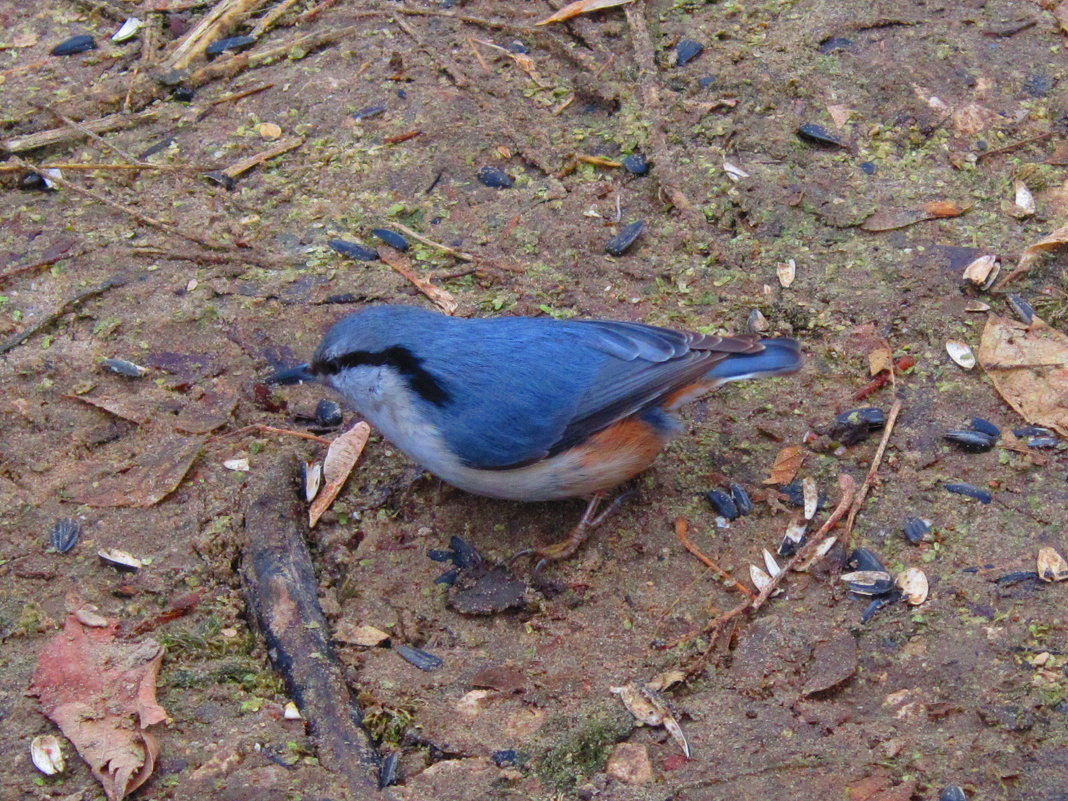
(779, 357)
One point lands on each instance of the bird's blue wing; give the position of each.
(522, 389)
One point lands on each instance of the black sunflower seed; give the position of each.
(818, 135)
(969, 491)
(915, 530)
(391, 238)
(619, 244)
(686, 51)
(741, 499)
(74, 45)
(418, 657)
(354, 250)
(230, 44)
(970, 441)
(494, 178)
(64, 534)
(723, 504)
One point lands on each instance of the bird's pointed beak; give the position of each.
(294, 375)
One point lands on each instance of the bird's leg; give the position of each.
(590, 520)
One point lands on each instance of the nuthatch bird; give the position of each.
(525, 408)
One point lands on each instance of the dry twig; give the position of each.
(682, 531)
(869, 479)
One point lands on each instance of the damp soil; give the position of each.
(211, 289)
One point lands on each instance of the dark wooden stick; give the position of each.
(280, 588)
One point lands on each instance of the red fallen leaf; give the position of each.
(101, 692)
(341, 457)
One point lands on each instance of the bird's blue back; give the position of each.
(519, 388)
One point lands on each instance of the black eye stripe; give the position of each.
(422, 382)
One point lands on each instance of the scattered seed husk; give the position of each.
(770, 564)
(1051, 565)
(865, 559)
(868, 582)
(128, 30)
(311, 475)
(123, 367)
(916, 530)
(238, 465)
(787, 271)
(979, 424)
(793, 538)
(811, 495)
(421, 659)
(983, 271)
(759, 578)
(960, 353)
(756, 323)
(74, 45)
(1023, 310)
(621, 242)
(650, 709)
(290, 711)
(364, 635)
(1023, 201)
(913, 585)
(88, 616)
(976, 306)
(341, 457)
(734, 172)
(47, 754)
(120, 559)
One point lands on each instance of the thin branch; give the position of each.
(682, 531)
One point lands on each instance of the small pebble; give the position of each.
(183, 94)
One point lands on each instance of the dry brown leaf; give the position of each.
(943, 208)
(102, 694)
(1029, 367)
(135, 409)
(147, 483)
(341, 456)
(210, 411)
(1058, 238)
(403, 265)
(892, 219)
(879, 359)
(787, 463)
(1060, 13)
(581, 7)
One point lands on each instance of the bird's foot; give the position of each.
(591, 519)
